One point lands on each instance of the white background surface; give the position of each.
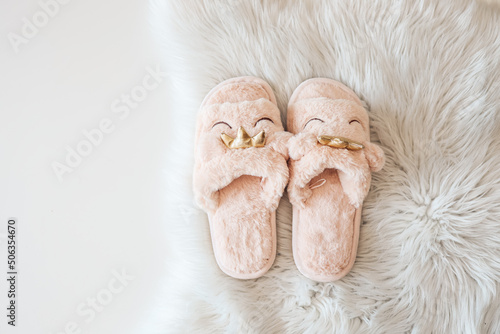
(108, 212)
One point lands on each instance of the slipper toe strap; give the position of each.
(352, 166)
(219, 172)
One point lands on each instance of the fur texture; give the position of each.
(240, 188)
(429, 252)
(328, 185)
(323, 107)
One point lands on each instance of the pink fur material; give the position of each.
(328, 185)
(353, 169)
(240, 188)
(260, 162)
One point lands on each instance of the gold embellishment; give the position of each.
(340, 142)
(243, 140)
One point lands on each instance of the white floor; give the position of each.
(90, 240)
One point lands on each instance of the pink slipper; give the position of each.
(240, 173)
(331, 160)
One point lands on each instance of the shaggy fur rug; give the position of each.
(429, 251)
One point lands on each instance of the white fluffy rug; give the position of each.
(429, 253)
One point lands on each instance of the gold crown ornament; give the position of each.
(340, 142)
(243, 140)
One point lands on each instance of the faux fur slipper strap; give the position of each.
(312, 158)
(262, 162)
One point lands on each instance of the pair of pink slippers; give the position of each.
(241, 171)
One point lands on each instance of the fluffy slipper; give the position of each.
(331, 160)
(240, 173)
